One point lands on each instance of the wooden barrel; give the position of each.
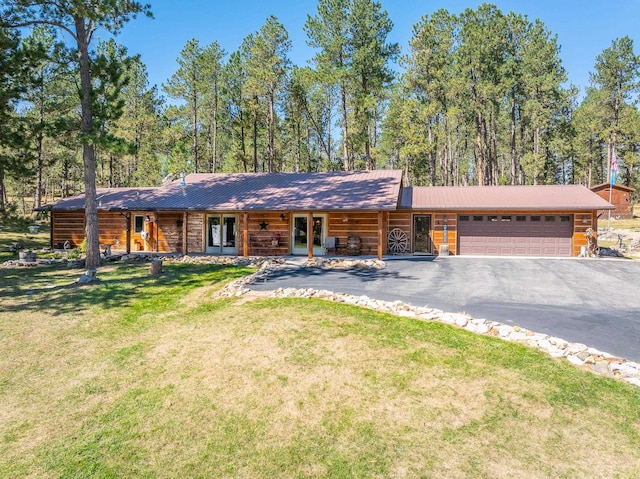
(353, 245)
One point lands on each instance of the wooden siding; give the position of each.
(195, 233)
(403, 219)
(621, 199)
(67, 226)
(438, 234)
(363, 224)
(581, 223)
(262, 241)
(113, 229)
(169, 234)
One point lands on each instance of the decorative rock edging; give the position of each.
(343, 263)
(576, 353)
(239, 286)
(17, 263)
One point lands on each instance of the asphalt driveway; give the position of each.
(591, 301)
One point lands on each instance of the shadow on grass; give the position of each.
(53, 289)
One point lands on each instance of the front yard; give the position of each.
(140, 376)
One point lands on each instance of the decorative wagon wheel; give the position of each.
(398, 241)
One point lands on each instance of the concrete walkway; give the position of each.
(591, 301)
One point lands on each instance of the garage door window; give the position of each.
(565, 219)
(549, 218)
(505, 218)
(536, 218)
(478, 218)
(521, 218)
(464, 218)
(492, 218)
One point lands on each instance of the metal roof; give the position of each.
(541, 197)
(358, 190)
(606, 186)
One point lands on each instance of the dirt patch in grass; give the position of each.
(171, 383)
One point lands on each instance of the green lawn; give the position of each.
(16, 230)
(632, 224)
(141, 376)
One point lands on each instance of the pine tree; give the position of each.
(80, 19)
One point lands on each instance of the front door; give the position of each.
(299, 234)
(221, 234)
(421, 237)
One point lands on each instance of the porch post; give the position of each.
(310, 235)
(185, 233)
(380, 235)
(245, 234)
(127, 217)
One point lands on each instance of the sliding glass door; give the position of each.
(221, 234)
(299, 236)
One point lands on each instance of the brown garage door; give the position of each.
(515, 235)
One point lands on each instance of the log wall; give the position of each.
(195, 233)
(67, 226)
(263, 241)
(170, 232)
(620, 198)
(113, 229)
(581, 223)
(363, 224)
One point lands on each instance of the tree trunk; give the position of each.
(371, 163)
(271, 127)
(432, 156)
(298, 137)
(194, 130)
(514, 159)
(255, 140)
(345, 130)
(479, 147)
(243, 146)
(214, 169)
(3, 191)
(88, 150)
(39, 159)
(210, 149)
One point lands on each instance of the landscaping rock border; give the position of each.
(577, 354)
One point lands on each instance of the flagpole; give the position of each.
(609, 211)
(613, 168)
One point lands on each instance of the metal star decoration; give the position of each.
(263, 225)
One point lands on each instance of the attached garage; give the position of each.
(515, 235)
(545, 220)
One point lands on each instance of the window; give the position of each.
(536, 218)
(565, 219)
(138, 224)
(521, 218)
(505, 218)
(492, 218)
(478, 218)
(464, 218)
(550, 218)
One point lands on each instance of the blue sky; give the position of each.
(584, 27)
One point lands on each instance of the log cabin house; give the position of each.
(348, 213)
